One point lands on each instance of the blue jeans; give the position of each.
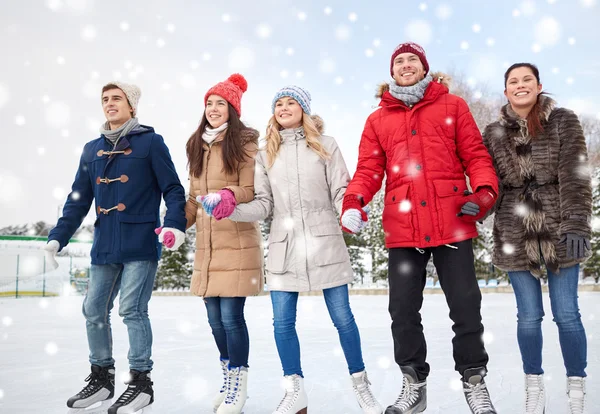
(133, 281)
(286, 338)
(565, 309)
(226, 320)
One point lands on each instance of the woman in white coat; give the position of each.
(300, 180)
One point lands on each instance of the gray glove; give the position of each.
(469, 209)
(576, 245)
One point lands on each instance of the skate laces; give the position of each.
(224, 365)
(233, 385)
(534, 400)
(478, 398)
(290, 396)
(133, 389)
(576, 393)
(363, 391)
(409, 394)
(93, 381)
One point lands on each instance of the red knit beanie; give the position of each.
(409, 47)
(231, 90)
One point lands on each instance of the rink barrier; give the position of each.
(384, 291)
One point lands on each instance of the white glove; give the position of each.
(179, 238)
(50, 251)
(352, 220)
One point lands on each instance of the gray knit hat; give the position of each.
(133, 93)
(300, 95)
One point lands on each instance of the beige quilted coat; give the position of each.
(229, 257)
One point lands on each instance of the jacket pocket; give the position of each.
(277, 255)
(449, 195)
(329, 246)
(397, 210)
(137, 233)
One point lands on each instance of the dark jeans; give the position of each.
(456, 272)
(226, 319)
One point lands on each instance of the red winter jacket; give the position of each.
(425, 152)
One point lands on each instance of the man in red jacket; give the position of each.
(425, 140)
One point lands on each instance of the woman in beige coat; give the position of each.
(300, 180)
(228, 261)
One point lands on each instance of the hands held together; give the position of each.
(219, 205)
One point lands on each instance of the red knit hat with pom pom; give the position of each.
(231, 90)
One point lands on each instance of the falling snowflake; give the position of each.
(7, 321)
(43, 303)
(61, 60)
(516, 13)
(570, 80)
(160, 42)
(508, 248)
(528, 7)
(384, 362)
(571, 41)
(206, 56)
(369, 53)
(124, 26)
(302, 16)
(338, 80)
(54, 5)
(353, 17)
(405, 268)
(58, 193)
(588, 3)
(420, 31)
(75, 196)
(88, 33)
(488, 338)
(51, 348)
(423, 7)
(288, 223)
(396, 169)
(170, 28)
(187, 81)
(342, 32)
(456, 384)
(284, 74)
(490, 41)
(263, 31)
(443, 12)
(449, 120)
(289, 51)
(184, 327)
(20, 120)
(536, 48)
(547, 31)
(41, 150)
(1, 394)
(299, 74)
(476, 28)
(464, 45)
(376, 42)
(405, 206)
(328, 10)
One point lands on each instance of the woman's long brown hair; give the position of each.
(233, 147)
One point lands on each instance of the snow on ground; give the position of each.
(43, 355)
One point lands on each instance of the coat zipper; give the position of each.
(302, 214)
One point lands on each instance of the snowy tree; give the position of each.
(356, 250)
(175, 266)
(591, 130)
(592, 266)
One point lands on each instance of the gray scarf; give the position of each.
(410, 95)
(114, 135)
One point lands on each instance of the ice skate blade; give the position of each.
(101, 407)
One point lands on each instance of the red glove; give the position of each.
(353, 202)
(475, 206)
(227, 205)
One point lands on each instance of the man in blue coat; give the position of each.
(126, 171)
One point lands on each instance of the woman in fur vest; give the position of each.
(229, 257)
(300, 182)
(542, 223)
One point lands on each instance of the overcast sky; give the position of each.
(57, 54)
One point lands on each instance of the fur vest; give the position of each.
(545, 189)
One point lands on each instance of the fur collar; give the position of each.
(510, 119)
(438, 77)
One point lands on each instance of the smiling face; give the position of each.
(288, 112)
(522, 88)
(116, 107)
(408, 69)
(217, 111)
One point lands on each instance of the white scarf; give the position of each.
(210, 134)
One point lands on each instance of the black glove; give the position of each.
(576, 245)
